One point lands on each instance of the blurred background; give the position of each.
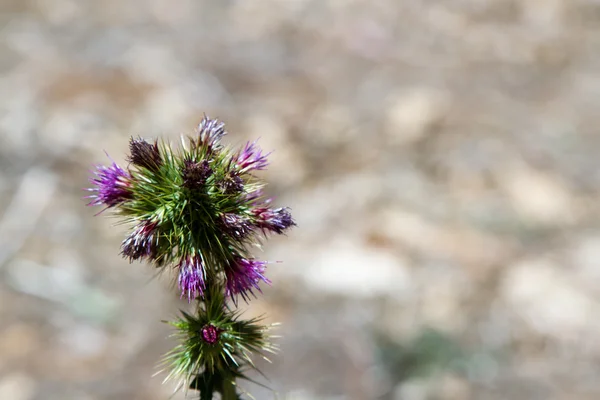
(440, 158)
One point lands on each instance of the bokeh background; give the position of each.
(440, 158)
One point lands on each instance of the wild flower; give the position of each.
(111, 186)
(197, 210)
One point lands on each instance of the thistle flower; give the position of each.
(277, 220)
(194, 174)
(255, 196)
(191, 277)
(112, 186)
(210, 334)
(236, 226)
(197, 208)
(144, 154)
(215, 343)
(210, 132)
(141, 243)
(251, 158)
(244, 275)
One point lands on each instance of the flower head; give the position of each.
(210, 334)
(191, 277)
(112, 186)
(277, 220)
(141, 243)
(206, 355)
(194, 174)
(144, 154)
(236, 226)
(251, 158)
(255, 197)
(210, 131)
(243, 275)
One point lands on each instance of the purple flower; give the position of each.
(111, 186)
(210, 334)
(243, 275)
(277, 220)
(210, 131)
(141, 243)
(144, 154)
(254, 197)
(235, 225)
(191, 277)
(251, 158)
(194, 174)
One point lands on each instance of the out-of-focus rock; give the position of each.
(416, 389)
(476, 251)
(441, 300)
(585, 260)
(538, 198)
(83, 341)
(59, 12)
(548, 300)
(545, 14)
(17, 386)
(331, 126)
(344, 267)
(411, 113)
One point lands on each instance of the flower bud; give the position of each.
(210, 132)
(277, 220)
(210, 334)
(194, 174)
(144, 154)
(141, 243)
(236, 226)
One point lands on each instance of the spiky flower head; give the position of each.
(210, 132)
(210, 334)
(191, 277)
(236, 226)
(274, 220)
(215, 344)
(111, 186)
(144, 154)
(251, 158)
(243, 276)
(142, 242)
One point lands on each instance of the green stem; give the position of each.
(207, 392)
(229, 392)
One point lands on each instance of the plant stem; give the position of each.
(229, 392)
(207, 393)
